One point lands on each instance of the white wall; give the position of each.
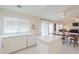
(1, 25)
(34, 20)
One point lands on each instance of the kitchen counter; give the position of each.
(49, 44)
(15, 35)
(48, 39)
(11, 43)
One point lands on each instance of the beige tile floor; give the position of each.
(31, 50)
(65, 50)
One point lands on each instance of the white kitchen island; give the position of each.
(49, 44)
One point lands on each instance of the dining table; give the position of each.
(70, 36)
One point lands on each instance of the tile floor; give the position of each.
(65, 50)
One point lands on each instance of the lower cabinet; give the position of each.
(14, 43)
(31, 40)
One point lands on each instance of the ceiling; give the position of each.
(50, 12)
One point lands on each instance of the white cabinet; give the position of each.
(12, 44)
(49, 45)
(49, 48)
(31, 40)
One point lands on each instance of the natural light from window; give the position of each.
(13, 25)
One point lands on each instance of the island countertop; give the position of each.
(48, 39)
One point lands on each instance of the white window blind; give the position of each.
(16, 25)
(51, 28)
(47, 28)
(58, 27)
(44, 28)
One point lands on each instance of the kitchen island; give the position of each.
(49, 44)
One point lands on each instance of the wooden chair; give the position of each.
(75, 39)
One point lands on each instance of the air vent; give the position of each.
(19, 6)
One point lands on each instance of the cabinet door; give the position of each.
(31, 40)
(13, 44)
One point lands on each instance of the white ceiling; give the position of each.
(45, 11)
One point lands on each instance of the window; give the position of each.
(51, 28)
(24, 26)
(58, 27)
(16, 25)
(44, 28)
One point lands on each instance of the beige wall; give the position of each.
(34, 20)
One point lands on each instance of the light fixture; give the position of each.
(19, 6)
(77, 19)
(76, 23)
